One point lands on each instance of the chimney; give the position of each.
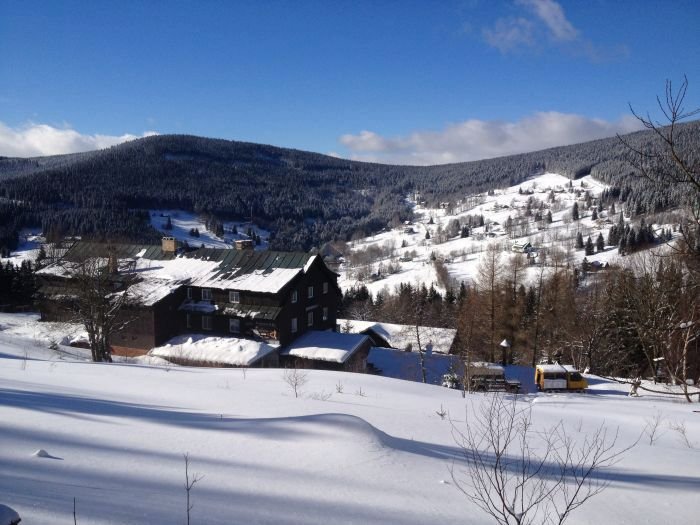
(244, 244)
(112, 263)
(168, 244)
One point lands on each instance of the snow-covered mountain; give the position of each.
(511, 215)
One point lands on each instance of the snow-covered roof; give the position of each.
(552, 368)
(401, 336)
(570, 368)
(149, 291)
(161, 272)
(486, 365)
(325, 346)
(213, 350)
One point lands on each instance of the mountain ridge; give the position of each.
(304, 198)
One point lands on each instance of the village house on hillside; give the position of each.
(238, 305)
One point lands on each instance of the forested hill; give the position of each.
(304, 198)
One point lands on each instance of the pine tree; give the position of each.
(574, 212)
(589, 246)
(622, 245)
(549, 217)
(594, 214)
(579, 241)
(600, 243)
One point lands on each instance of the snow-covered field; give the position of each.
(352, 449)
(412, 251)
(182, 222)
(30, 240)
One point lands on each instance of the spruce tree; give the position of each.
(574, 212)
(600, 243)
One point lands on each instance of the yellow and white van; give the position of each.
(559, 377)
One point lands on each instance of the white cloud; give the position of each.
(32, 140)
(479, 139)
(552, 14)
(509, 34)
(542, 22)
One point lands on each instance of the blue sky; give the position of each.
(408, 82)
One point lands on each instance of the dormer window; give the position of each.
(310, 292)
(295, 296)
(189, 293)
(325, 287)
(234, 297)
(206, 294)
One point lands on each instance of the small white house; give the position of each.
(522, 247)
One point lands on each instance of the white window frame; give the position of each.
(325, 287)
(310, 318)
(206, 294)
(188, 320)
(234, 326)
(295, 325)
(207, 322)
(310, 292)
(295, 296)
(189, 292)
(234, 297)
(325, 313)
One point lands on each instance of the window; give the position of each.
(294, 325)
(189, 293)
(325, 287)
(310, 294)
(234, 326)
(234, 297)
(295, 296)
(325, 313)
(188, 320)
(206, 294)
(207, 322)
(310, 319)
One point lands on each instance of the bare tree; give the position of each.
(190, 482)
(653, 427)
(95, 289)
(668, 161)
(488, 283)
(101, 294)
(296, 379)
(663, 311)
(519, 475)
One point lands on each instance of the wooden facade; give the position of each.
(307, 300)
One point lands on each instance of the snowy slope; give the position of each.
(462, 256)
(375, 453)
(183, 221)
